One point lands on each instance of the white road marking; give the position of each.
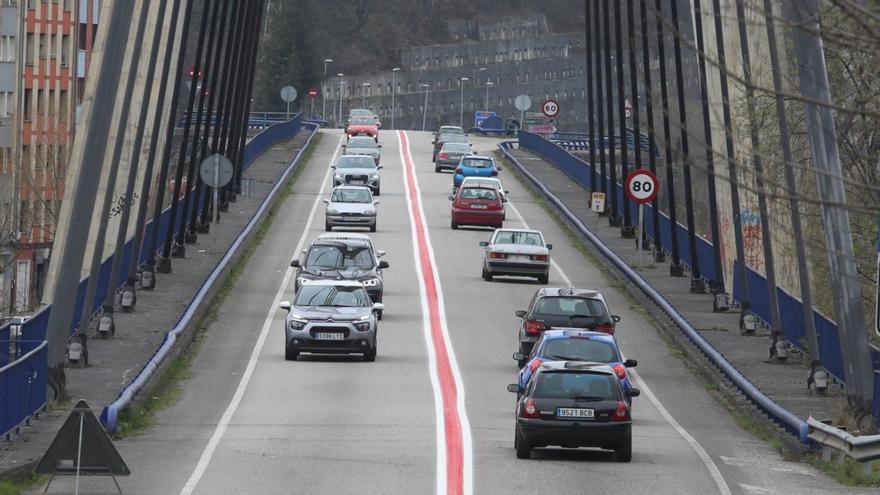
(220, 430)
(756, 490)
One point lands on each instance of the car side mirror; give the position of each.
(334, 166)
(285, 305)
(615, 318)
(634, 392)
(521, 313)
(630, 363)
(378, 145)
(506, 191)
(550, 247)
(325, 201)
(383, 265)
(505, 200)
(484, 243)
(518, 356)
(513, 388)
(378, 307)
(294, 263)
(375, 202)
(344, 146)
(379, 167)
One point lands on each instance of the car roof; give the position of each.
(331, 282)
(529, 231)
(347, 235)
(567, 333)
(485, 180)
(480, 157)
(346, 186)
(602, 368)
(570, 291)
(451, 127)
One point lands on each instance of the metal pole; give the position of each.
(239, 137)
(600, 115)
(393, 92)
(614, 217)
(461, 103)
(626, 229)
(659, 255)
(248, 101)
(591, 130)
(634, 92)
(425, 112)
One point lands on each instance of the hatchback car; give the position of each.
(362, 126)
(573, 404)
(358, 170)
(575, 345)
(331, 317)
(451, 154)
(475, 166)
(479, 206)
(563, 308)
(363, 145)
(518, 253)
(350, 206)
(448, 138)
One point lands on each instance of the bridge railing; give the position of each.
(18, 346)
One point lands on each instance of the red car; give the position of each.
(363, 126)
(478, 205)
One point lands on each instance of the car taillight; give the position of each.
(534, 326)
(605, 328)
(530, 411)
(494, 173)
(458, 170)
(620, 371)
(495, 255)
(444, 155)
(621, 413)
(540, 257)
(534, 364)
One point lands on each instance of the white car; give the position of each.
(350, 206)
(518, 253)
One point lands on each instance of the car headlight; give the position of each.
(297, 322)
(302, 280)
(374, 175)
(337, 177)
(362, 326)
(370, 282)
(332, 211)
(369, 211)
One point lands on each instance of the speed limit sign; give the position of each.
(641, 186)
(550, 109)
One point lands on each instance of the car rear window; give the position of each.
(456, 148)
(351, 196)
(363, 120)
(362, 142)
(575, 384)
(580, 349)
(523, 238)
(568, 306)
(476, 163)
(478, 193)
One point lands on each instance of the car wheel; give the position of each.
(487, 275)
(437, 169)
(370, 355)
(544, 279)
(290, 354)
(523, 449)
(373, 227)
(327, 226)
(379, 315)
(624, 449)
(454, 225)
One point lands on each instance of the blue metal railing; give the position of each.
(579, 141)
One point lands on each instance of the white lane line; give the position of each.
(646, 390)
(220, 430)
(553, 262)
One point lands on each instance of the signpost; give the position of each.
(542, 128)
(641, 187)
(216, 171)
(288, 94)
(522, 103)
(312, 94)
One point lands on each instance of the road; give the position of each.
(432, 414)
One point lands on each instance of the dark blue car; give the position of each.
(474, 166)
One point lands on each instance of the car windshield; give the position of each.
(339, 296)
(580, 349)
(517, 237)
(451, 130)
(573, 384)
(363, 120)
(362, 142)
(478, 193)
(339, 257)
(351, 196)
(569, 306)
(453, 138)
(456, 148)
(476, 163)
(356, 162)
(360, 112)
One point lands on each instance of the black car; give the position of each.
(553, 307)
(348, 258)
(574, 404)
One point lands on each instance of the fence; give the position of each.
(790, 307)
(15, 409)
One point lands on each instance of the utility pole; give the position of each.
(394, 72)
(425, 109)
(324, 89)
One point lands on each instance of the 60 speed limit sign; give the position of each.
(641, 186)
(550, 109)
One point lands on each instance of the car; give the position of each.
(362, 126)
(450, 155)
(350, 236)
(518, 253)
(474, 166)
(480, 206)
(494, 182)
(363, 145)
(573, 404)
(360, 112)
(331, 317)
(575, 345)
(447, 129)
(358, 170)
(350, 206)
(342, 258)
(448, 138)
(554, 307)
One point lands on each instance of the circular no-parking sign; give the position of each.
(550, 108)
(641, 186)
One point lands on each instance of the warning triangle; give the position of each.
(96, 455)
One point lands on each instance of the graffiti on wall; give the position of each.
(753, 244)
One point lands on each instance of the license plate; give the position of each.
(571, 412)
(329, 336)
(479, 207)
(357, 182)
(518, 257)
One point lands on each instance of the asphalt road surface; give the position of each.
(432, 414)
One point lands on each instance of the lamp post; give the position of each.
(324, 90)
(488, 84)
(476, 73)
(364, 87)
(341, 82)
(425, 109)
(394, 72)
(461, 82)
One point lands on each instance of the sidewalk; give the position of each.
(114, 362)
(784, 383)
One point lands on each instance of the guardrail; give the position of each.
(864, 449)
(780, 415)
(23, 389)
(110, 414)
(581, 141)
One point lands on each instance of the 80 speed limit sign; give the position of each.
(641, 186)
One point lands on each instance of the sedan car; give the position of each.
(518, 253)
(447, 129)
(573, 404)
(480, 206)
(575, 345)
(448, 138)
(475, 166)
(350, 206)
(563, 308)
(363, 126)
(358, 170)
(331, 317)
(363, 145)
(450, 155)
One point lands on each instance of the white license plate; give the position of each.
(357, 182)
(571, 412)
(329, 336)
(479, 207)
(518, 257)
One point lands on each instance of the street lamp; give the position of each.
(394, 72)
(341, 81)
(425, 110)
(461, 82)
(476, 71)
(488, 83)
(324, 89)
(364, 87)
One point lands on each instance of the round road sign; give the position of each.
(522, 103)
(641, 186)
(550, 108)
(216, 170)
(288, 94)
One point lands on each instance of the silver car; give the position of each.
(450, 154)
(516, 252)
(331, 317)
(358, 170)
(350, 206)
(363, 145)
